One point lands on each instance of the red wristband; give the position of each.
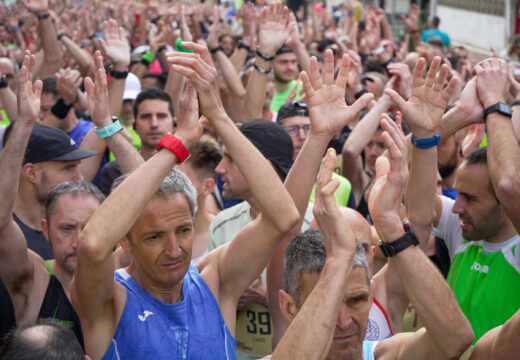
(415, 31)
(176, 146)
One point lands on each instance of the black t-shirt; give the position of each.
(35, 240)
(109, 173)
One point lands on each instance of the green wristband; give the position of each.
(179, 47)
(149, 56)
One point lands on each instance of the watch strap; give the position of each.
(3, 82)
(515, 103)
(499, 107)
(109, 130)
(426, 143)
(264, 56)
(172, 143)
(395, 247)
(118, 74)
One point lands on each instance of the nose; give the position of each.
(220, 168)
(172, 248)
(154, 121)
(457, 206)
(344, 317)
(301, 134)
(77, 174)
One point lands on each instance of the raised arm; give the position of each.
(503, 148)
(51, 49)
(321, 308)
(272, 35)
(423, 111)
(252, 248)
(298, 47)
(116, 48)
(448, 333)
(16, 268)
(82, 57)
(328, 114)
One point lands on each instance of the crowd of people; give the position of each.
(188, 180)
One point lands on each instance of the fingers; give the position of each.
(382, 167)
(307, 87)
(441, 78)
(362, 103)
(342, 78)
(89, 87)
(417, 77)
(396, 142)
(326, 169)
(432, 72)
(315, 74)
(328, 68)
(199, 49)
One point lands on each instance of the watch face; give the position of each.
(504, 109)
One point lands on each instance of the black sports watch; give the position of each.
(395, 247)
(499, 107)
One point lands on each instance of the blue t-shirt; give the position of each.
(191, 329)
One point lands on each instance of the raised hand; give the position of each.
(337, 235)
(293, 40)
(248, 23)
(388, 190)
(28, 94)
(412, 18)
(115, 46)
(424, 109)
(273, 28)
(469, 103)
(403, 76)
(36, 6)
(98, 94)
(493, 81)
(328, 110)
(68, 83)
(473, 138)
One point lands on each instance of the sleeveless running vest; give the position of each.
(191, 329)
(57, 306)
(378, 325)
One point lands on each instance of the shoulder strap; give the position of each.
(49, 268)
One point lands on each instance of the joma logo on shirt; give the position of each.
(477, 267)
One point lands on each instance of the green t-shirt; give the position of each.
(279, 98)
(342, 193)
(4, 120)
(484, 276)
(136, 139)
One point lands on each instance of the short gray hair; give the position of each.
(306, 254)
(73, 187)
(175, 182)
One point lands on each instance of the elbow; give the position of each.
(465, 339)
(347, 151)
(90, 250)
(289, 222)
(508, 187)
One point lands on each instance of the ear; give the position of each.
(207, 186)
(374, 249)
(30, 172)
(126, 244)
(287, 305)
(45, 228)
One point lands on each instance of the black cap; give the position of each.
(50, 144)
(272, 140)
(294, 108)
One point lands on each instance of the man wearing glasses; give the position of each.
(294, 118)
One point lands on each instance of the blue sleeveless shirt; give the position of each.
(191, 329)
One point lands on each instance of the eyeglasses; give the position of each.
(294, 130)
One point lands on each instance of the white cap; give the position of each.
(132, 87)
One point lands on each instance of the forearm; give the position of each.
(174, 86)
(419, 276)
(89, 166)
(116, 89)
(255, 91)
(504, 164)
(387, 30)
(365, 128)
(51, 49)
(124, 151)
(239, 58)
(231, 78)
(516, 122)
(8, 98)
(421, 192)
(10, 167)
(303, 58)
(452, 121)
(83, 58)
(320, 309)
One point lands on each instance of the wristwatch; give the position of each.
(176, 146)
(395, 247)
(426, 143)
(499, 107)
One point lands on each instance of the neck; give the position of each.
(506, 232)
(29, 210)
(146, 152)
(168, 295)
(281, 86)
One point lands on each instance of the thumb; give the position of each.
(362, 102)
(396, 98)
(382, 167)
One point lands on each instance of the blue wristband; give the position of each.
(109, 130)
(426, 143)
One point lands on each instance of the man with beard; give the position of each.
(285, 70)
